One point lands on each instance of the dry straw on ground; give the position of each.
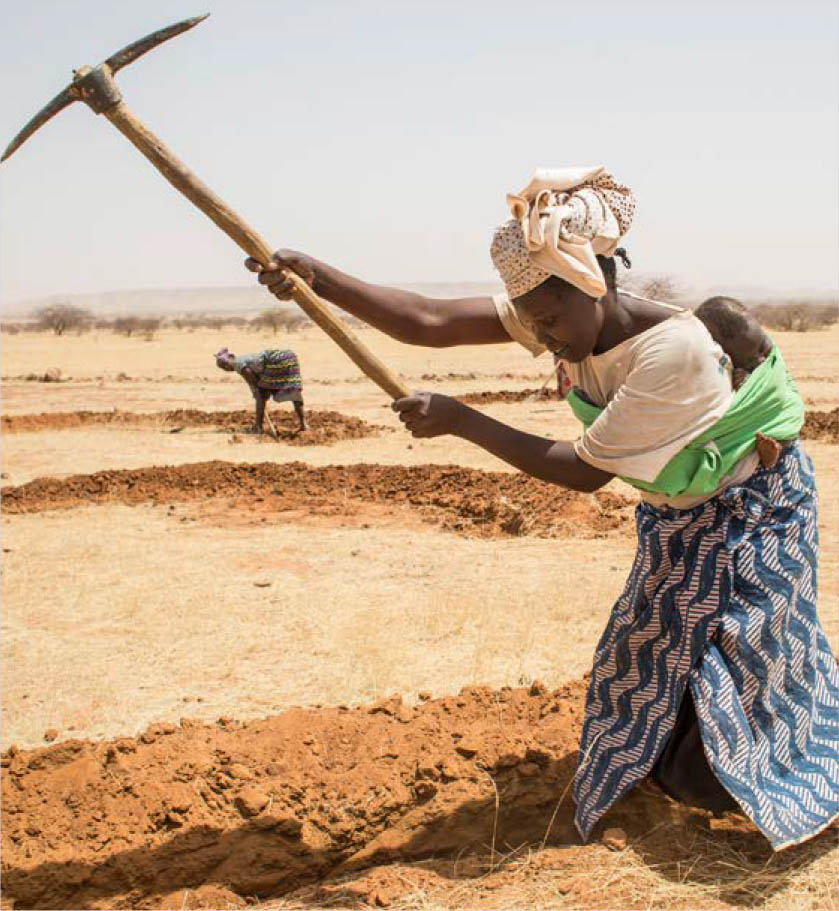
(204, 609)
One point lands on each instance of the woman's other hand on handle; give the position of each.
(274, 277)
(428, 414)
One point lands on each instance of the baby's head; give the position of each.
(736, 331)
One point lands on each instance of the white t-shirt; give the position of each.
(660, 390)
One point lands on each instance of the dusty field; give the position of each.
(323, 427)
(163, 570)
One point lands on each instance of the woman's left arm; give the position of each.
(427, 414)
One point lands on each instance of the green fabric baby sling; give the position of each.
(766, 403)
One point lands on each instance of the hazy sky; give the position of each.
(382, 136)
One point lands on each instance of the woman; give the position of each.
(270, 375)
(713, 673)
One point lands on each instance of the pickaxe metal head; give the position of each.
(95, 85)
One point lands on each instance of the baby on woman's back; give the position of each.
(738, 333)
(742, 338)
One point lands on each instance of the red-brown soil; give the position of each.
(325, 427)
(821, 425)
(508, 396)
(241, 811)
(478, 503)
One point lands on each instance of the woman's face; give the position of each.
(563, 318)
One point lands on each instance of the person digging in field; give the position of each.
(271, 374)
(713, 675)
(742, 338)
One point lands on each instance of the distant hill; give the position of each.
(155, 302)
(216, 301)
(249, 300)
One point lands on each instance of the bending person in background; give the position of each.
(713, 675)
(270, 374)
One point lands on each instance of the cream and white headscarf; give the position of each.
(561, 221)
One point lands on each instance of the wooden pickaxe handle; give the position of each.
(179, 175)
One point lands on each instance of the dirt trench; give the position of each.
(259, 809)
(325, 427)
(476, 503)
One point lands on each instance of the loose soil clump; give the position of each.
(484, 504)
(258, 809)
(325, 427)
(311, 803)
(821, 425)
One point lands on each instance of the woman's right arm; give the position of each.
(404, 315)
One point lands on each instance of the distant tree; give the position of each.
(59, 318)
(278, 318)
(272, 319)
(296, 321)
(797, 316)
(661, 288)
(149, 327)
(129, 325)
(126, 325)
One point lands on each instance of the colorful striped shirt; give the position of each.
(276, 371)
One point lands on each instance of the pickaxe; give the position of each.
(97, 88)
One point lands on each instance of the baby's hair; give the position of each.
(727, 315)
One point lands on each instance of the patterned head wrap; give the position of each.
(561, 221)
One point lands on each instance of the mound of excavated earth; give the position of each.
(325, 427)
(256, 810)
(821, 425)
(477, 503)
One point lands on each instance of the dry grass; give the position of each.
(676, 864)
(187, 355)
(798, 316)
(468, 611)
(143, 611)
(134, 616)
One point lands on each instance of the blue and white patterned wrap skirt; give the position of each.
(722, 598)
